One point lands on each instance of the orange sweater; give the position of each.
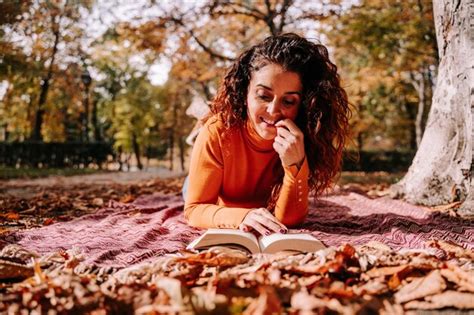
(232, 173)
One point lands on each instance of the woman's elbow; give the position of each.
(192, 220)
(293, 220)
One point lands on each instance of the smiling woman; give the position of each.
(279, 124)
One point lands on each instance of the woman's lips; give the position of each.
(269, 122)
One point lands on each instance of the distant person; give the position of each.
(276, 133)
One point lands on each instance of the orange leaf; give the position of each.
(12, 216)
(442, 208)
(48, 221)
(127, 199)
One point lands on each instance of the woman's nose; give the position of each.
(273, 107)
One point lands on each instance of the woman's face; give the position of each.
(273, 94)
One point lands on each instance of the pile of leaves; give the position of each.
(344, 280)
(47, 205)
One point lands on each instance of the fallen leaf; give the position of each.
(267, 303)
(433, 283)
(12, 216)
(449, 206)
(48, 221)
(127, 199)
(459, 300)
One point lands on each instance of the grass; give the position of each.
(370, 178)
(28, 173)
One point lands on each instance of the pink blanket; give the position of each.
(123, 234)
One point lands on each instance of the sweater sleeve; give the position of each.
(292, 204)
(205, 181)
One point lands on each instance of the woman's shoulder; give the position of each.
(215, 125)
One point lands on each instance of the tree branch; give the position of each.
(200, 43)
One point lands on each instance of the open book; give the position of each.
(264, 244)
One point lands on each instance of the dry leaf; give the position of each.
(454, 299)
(48, 221)
(452, 249)
(442, 208)
(384, 271)
(12, 216)
(267, 303)
(127, 199)
(217, 256)
(433, 283)
(14, 270)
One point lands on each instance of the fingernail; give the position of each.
(283, 231)
(267, 233)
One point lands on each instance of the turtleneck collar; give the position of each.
(255, 140)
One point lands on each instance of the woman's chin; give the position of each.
(267, 135)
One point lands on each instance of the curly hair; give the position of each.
(323, 99)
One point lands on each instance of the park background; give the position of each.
(102, 89)
(88, 86)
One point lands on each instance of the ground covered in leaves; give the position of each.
(369, 279)
(45, 205)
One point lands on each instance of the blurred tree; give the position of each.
(129, 107)
(389, 44)
(441, 171)
(39, 44)
(137, 117)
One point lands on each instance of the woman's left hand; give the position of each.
(289, 143)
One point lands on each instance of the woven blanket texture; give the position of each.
(121, 235)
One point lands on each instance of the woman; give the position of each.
(278, 127)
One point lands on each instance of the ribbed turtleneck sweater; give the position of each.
(233, 172)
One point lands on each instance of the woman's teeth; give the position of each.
(269, 122)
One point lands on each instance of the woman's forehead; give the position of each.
(274, 76)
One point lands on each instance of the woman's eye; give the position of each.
(289, 103)
(264, 98)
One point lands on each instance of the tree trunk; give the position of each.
(181, 153)
(85, 121)
(136, 150)
(37, 136)
(95, 124)
(418, 82)
(171, 147)
(440, 172)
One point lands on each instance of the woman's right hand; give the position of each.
(262, 221)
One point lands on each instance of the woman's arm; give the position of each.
(292, 203)
(205, 181)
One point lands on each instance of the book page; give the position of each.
(292, 242)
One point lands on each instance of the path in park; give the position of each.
(27, 187)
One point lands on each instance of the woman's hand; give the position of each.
(262, 221)
(289, 143)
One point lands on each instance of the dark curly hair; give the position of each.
(323, 97)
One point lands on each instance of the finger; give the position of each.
(257, 226)
(281, 141)
(283, 132)
(280, 226)
(244, 227)
(278, 147)
(290, 125)
(268, 223)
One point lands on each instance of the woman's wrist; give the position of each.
(300, 163)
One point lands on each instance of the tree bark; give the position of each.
(136, 150)
(181, 153)
(418, 82)
(441, 170)
(37, 136)
(95, 124)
